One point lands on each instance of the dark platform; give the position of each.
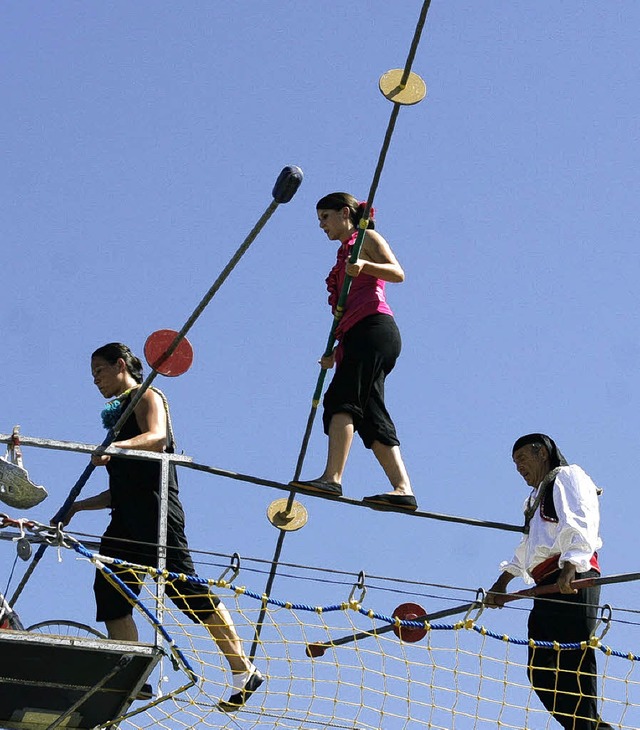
(68, 682)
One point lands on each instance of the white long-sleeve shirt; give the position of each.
(574, 537)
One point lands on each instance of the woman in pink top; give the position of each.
(368, 347)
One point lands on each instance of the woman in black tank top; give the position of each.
(132, 534)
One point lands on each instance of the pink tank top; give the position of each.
(366, 295)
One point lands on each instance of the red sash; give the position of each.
(550, 565)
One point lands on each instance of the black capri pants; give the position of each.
(195, 601)
(370, 350)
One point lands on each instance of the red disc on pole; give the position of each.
(409, 612)
(177, 363)
(315, 650)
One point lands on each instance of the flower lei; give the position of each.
(113, 410)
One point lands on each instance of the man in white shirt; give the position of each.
(560, 544)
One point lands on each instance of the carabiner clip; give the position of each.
(604, 619)
(358, 586)
(233, 568)
(477, 606)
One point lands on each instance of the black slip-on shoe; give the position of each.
(399, 501)
(319, 486)
(238, 699)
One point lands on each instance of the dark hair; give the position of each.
(116, 350)
(338, 201)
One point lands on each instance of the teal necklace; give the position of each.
(113, 410)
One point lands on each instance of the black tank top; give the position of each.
(135, 486)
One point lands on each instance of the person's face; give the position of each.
(108, 378)
(335, 223)
(532, 466)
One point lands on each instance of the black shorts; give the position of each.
(195, 601)
(370, 350)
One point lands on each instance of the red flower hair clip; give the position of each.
(372, 212)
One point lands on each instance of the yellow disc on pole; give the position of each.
(410, 93)
(288, 520)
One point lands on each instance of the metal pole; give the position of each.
(315, 650)
(283, 190)
(355, 251)
(162, 541)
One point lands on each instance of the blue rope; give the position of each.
(136, 600)
(268, 601)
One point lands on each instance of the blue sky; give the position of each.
(141, 142)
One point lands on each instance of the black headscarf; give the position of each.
(544, 497)
(555, 455)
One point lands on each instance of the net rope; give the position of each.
(460, 674)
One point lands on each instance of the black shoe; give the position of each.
(399, 501)
(319, 486)
(145, 693)
(237, 699)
